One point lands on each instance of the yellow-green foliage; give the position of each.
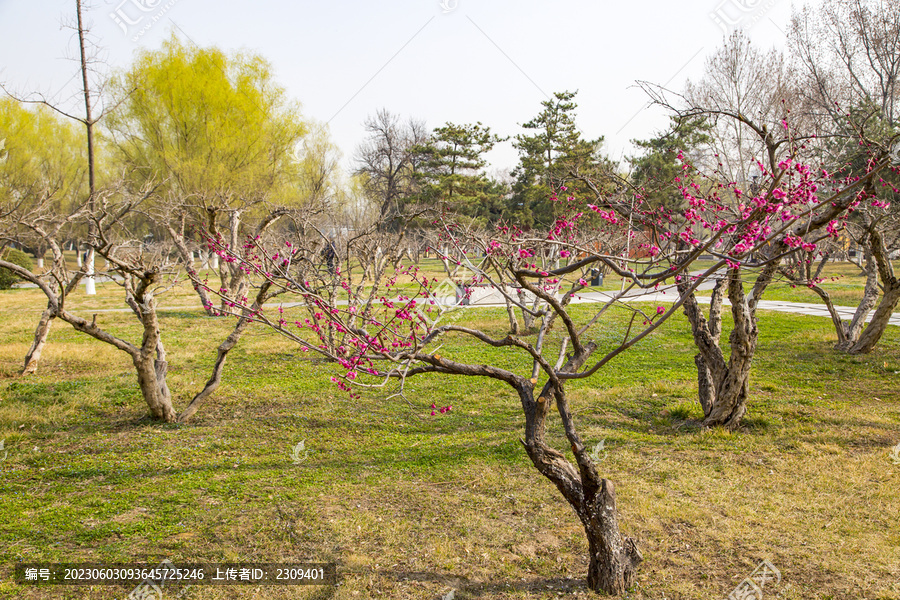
(215, 127)
(43, 159)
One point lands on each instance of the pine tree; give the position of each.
(452, 169)
(551, 157)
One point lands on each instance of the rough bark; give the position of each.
(853, 329)
(614, 558)
(150, 359)
(723, 385)
(891, 296)
(733, 386)
(880, 320)
(706, 333)
(151, 374)
(705, 383)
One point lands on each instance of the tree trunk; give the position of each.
(90, 287)
(150, 359)
(511, 313)
(33, 358)
(527, 316)
(891, 288)
(723, 386)
(706, 386)
(614, 558)
(151, 373)
(854, 329)
(880, 320)
(733, 384)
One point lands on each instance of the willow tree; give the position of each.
(42, 183)
(219, 135)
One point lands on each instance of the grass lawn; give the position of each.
(843, 281)
(411, 506)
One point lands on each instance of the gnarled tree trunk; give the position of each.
(723, 385)
(848, 333)
(150, 359)
(891, 296)
(614, 557)
(880, 320)
(151, 369)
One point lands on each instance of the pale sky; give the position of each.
(463, 61)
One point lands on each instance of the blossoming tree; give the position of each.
(394, 327)
(793, 205)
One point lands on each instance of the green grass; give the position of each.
(844, 282)
(411, 506)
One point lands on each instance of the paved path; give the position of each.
(800, 308)
(494, 299)
(491, 297)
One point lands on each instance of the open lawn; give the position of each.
(411, 506)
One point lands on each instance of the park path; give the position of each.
(799, 308)
(495, 299)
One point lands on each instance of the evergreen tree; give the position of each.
(549, 158)
(452, 169)
(657, 167)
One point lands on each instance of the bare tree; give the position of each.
(741, 79)
(388, 159)
(87, 64)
